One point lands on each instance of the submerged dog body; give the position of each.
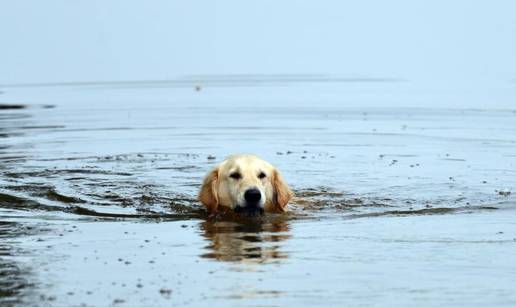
(245, 183)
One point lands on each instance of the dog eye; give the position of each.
(262, 175)
(235, 175)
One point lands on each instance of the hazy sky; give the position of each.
(422, 41)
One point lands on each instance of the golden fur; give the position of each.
(220, 190)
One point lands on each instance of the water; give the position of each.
(394, 205)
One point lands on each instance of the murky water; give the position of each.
(394, 205)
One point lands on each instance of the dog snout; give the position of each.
(252, 196)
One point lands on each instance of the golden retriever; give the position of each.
(247, 184)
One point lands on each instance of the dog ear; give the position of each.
(208, 193)
(282, 193)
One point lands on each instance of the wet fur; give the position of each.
(221, 192)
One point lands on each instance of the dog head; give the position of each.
(245, 183)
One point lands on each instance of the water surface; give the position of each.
(394, 205)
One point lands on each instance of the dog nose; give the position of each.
(252, 196)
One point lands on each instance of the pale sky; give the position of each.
(456, 42)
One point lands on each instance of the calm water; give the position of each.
(395, 206)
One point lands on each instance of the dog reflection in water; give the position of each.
(246, 240)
